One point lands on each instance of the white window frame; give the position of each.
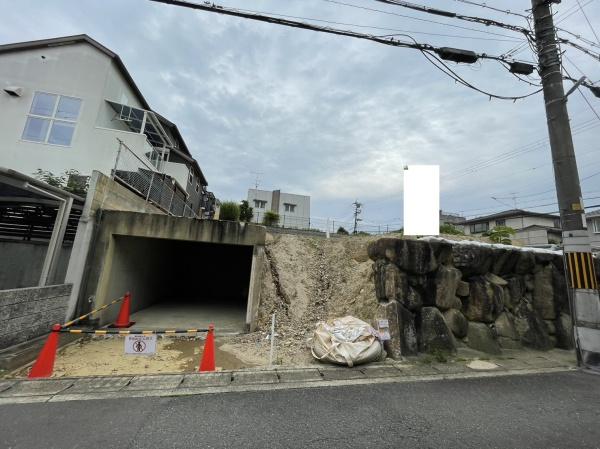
(52, 119)
(596, 225)
(289, 207)
(260, 204)
(191, 177)
(197, 186)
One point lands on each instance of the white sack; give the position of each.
(346, 341)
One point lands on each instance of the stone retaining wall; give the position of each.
(26, 313)
(437, 293)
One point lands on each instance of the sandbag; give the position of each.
(346, 341)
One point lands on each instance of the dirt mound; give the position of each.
(306, 280)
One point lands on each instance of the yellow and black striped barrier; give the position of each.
(70, 323)
(582, 274)
(132, 331)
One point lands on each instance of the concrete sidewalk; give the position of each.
(110, 387)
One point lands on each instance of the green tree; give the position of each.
(70, 180)
(447, 228)
(270, 218)
(230, 210)
(500, 234)
(341, 230)
(246, 212)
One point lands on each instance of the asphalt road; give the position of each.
(535, 411)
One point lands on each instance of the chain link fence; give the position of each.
(318, 224)
(143, 175)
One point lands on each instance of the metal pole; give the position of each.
(583, 293)
(114, 170)
(150, 187)
(272, 353)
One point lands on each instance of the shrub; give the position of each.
(450, 229)
(500, 234)
(270, 218)
(70, 180)
(341, 230)
(246, 212)
(230, 210)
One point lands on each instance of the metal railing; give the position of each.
(140, 174)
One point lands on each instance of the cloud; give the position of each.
(333, 117)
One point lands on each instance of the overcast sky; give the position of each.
(333, 117)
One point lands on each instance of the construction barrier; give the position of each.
(44, 364)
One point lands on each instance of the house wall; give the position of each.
(517, 223)
(594, 236)
(77, 70)
(531, 237)
(301, 213)
(263, 195)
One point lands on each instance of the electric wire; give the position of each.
(483, 5)
(453, 15)
(588, 21)
(424, 48)
(332, 22)
(365, 8)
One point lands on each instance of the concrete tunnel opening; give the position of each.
(182, 284)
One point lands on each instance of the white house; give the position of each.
(532, 228)
(64, 102)
(293, 210)
(593, 225)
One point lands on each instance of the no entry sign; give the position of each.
(140, 344)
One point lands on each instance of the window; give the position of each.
(596, 223)
(197, 186)
(479, 227)
(557, 223)
(52, 119)
(289, 207)
(260, 204)
(191, 178)
(501, 222)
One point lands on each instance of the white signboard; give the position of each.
(422, 200)
(384, 330)
(140, 344)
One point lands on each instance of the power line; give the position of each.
(365, 8)
(332, 22)
(588, 21)
(503, 157)
(483, 5)
(426, 49)
(570, 11)
(453, 15)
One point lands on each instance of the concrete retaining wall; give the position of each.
(26, 313)
(21, 263)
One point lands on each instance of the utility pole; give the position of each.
(579, 268)
(357, 211)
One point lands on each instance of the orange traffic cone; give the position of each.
(123, 318)
(44, 365)
(208, 355)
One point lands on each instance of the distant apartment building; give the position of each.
(532, 228)
(293, 210)
(64, 105)
(449, 218)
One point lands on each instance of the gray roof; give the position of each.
(593, 214)
(510, 213)
(84, 38)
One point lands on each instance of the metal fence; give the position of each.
(143, 175)
(324, 224)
